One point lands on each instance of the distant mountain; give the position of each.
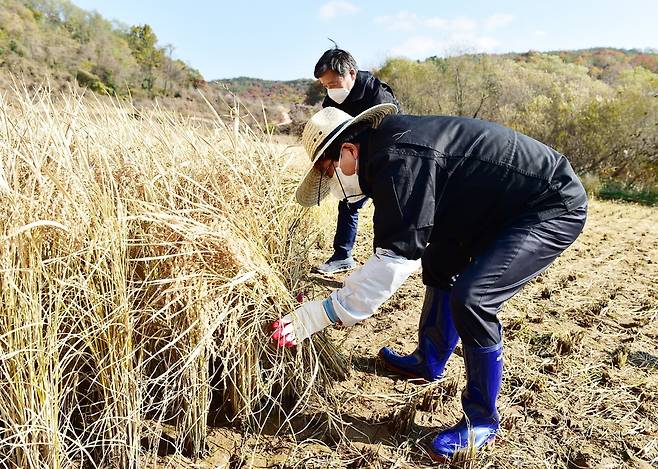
(604, 63)
(291, 91)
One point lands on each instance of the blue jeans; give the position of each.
(346, 225)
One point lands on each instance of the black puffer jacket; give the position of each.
(455, 182)
(367, 91)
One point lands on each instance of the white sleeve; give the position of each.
(368, 287)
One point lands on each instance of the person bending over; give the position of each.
(484, 208)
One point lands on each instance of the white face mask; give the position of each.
(339, 95)
(346, 187)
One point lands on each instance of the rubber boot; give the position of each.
(437, 338)
(484, 374)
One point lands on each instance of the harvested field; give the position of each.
(581, 369)
(144, 256)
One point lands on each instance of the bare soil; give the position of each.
(580, 387)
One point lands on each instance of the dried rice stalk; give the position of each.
(137, 256)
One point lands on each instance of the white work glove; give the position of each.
(305, 321)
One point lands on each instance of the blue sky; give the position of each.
(283, 40)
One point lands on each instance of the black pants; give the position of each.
(518, 253)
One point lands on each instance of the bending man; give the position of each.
(483, 207)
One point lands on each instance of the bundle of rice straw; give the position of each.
(140, 256)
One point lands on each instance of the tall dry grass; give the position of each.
(142, 258)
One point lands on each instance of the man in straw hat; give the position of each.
(483, 207)
(353, 91)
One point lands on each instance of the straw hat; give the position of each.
(320, 131)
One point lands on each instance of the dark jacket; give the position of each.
(454, 182)
(367, 91)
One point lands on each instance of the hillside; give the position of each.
(599, 107)
(290, 92)
(606, 63)
(54, 39)
(602, 63)
(55, 42)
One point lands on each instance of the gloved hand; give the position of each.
(305, 321)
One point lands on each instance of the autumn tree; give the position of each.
(142, 41)
(606, 127)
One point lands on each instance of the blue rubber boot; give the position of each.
(484, 374)
(437, 338)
